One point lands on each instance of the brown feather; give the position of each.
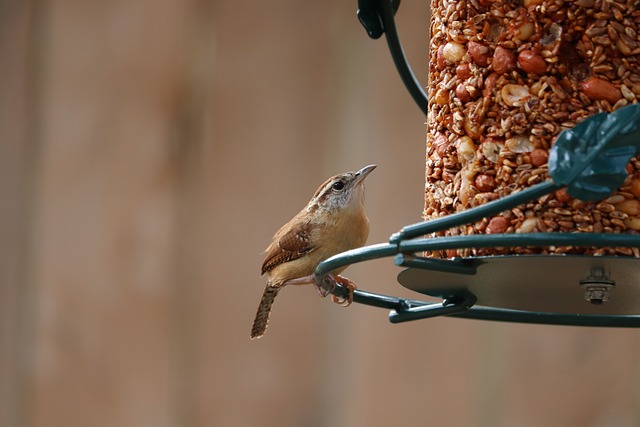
(291, 245)
(264, 310)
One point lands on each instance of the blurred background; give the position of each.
(148, 152)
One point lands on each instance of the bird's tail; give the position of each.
(264, 309)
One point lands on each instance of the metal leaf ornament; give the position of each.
(591, 159)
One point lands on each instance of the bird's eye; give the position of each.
(338, 186)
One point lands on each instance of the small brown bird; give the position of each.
(333, 221)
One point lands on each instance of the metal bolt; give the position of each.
(597, 286)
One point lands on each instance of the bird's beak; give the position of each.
(362, 173)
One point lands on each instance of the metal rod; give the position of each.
(475, 214)
(354, 256)
(399, 59)
(507, 315)
(457, 266)
(520, 240)
(447, 308)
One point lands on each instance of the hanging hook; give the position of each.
(369, 15)
(377, 17)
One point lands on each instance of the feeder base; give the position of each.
(556, 284)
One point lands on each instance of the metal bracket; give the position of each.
(377, 17)
(448, 307)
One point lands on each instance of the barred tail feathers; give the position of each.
(264, 310)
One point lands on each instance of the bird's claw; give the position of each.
(328, 285)
(351, 287)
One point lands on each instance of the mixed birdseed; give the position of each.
(505, 78)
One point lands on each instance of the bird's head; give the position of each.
(341, 191)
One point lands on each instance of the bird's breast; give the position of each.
(342, 232)
(331, 234)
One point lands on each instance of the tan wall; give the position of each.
(149, 149)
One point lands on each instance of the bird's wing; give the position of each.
(288, 246)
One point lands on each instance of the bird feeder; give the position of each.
(532, 195)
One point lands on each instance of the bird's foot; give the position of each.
(326, 286)
(345, 302)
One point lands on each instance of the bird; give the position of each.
(332, 222)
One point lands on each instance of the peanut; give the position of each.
(598, 89)
(519, 144)
(504, 60)
(562, 195)
(479, 53)
(531, 62)
(497, 225)
(442, 96)
(539, 157)
(472, 127)
(463, 71)
(630, 207)
(453, 52)
(528, 225)
(441, 144)
(485, 183)
(466, 149)
(514, 95)
(462, 93)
